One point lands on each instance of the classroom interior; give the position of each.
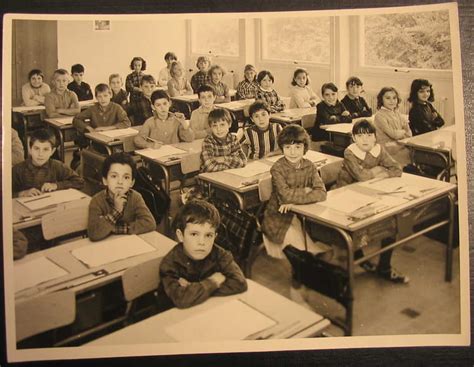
(428, 304)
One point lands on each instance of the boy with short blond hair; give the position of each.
(61, 101)
(199, 117)
(78, 86)
(201, 77)
(119, 95)
(196, 269)
(140, 108)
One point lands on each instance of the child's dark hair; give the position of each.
(257, 106)
(299, 71)
(159, 94)
(206, 88)
(262, 74)
(100, 88)
(138, 58)
(197, 212)
(293, 134)
(330, 86)
(42, 135)
(381, 94)
(353, 80)
(147, 79)
(77, 68)
(121, 158)
(219, 114)
(35, 72)
(416, 85)
(363, 127)
(170, 55)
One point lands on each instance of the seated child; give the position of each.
(133, 80)
(329, 111)
(391, 125)
(164, 127)
(201, 77)
(139, 109)
(266, 92)
(199, 116)
(364, 160)
(196, 269)
(18, 153)
(118, 208)
(119, 95)
(216, 73)
(38, 173)
(164, 76)
(353, 102)
(34, 91)
(221, 149)
(260, 139)
(178, 85)
(82, 89)
(301, 93)
(61, 101)
(248, 87)
(423, 116)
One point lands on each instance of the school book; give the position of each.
(50, 199)
(33, 272)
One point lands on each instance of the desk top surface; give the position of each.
(236, 105)
(443, 140)
(293, 320)
(194, 146)
(99, 137)
(293, 114)
(35, 109)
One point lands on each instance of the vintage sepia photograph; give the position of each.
(251, 182)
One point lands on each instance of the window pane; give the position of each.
(410, 40)
(218, 36)
(296, 39)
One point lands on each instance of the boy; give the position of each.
(201, 77)
(119, 95)
(165, 75)
(140, 108)
(196, 269)
(353, 102)
(199, 117)
(118, 209)
(39, 174)
(260, 139)
(221, 150)
(61, 101)
(82, 89)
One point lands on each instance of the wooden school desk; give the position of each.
(434, 149)
(189, 102)
(85, 282)
(64, 130)
(292, 320)
(109, 145)
(292, 115)
(244, 190)
(237, 108)
(341, 134)
(403, 222)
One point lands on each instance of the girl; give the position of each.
(266, 92)
(423, 116)
(202, 76)
(178, 85)
(34, 91)
(364, 160)
(132, 82)
(329, 111)
(164, 127)
(216, 74)
(248, 87)
(391, 125)
(302, 95)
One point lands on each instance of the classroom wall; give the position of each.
(105, 52)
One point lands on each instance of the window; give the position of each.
(215, 36)
(409, 40)
(296, 39)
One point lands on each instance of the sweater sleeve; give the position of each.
(391, 165)
(98, 226)
(384, 125)
(67, 178)
(355, 168)
(172, 88)
(18, 153)
(185, 134)
(27, 96)
(144, 132)
(234, 278)
(49, 106)
(143, 219)
(121, 119)
(79, 121)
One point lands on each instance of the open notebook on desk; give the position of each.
(118, 133)
(51, 199)
(33, 272)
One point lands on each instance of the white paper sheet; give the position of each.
(399, 187)
(50, 199)
(232, 320)
(250, 170)
(111, 249)
(163, 151)
(34, 272)
(347, 201)
(117, 133)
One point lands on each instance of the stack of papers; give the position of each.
(51, 199)
(163, 151)
(34, 272)
(117, 133)
(252, 169)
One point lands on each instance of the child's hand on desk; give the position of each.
(119, 201)
(307, 190)
(345, 113)
(49, 186)
(183, 282)
(217, 278)
(89, 129)
(31, 192)
(285, 208)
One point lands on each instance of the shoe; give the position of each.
(394, 276)
(368, 266)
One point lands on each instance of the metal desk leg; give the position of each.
(449, 248)
(62, 150)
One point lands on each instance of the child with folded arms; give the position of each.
(202, 76)
(119, 95)
(248, 87)
(133, 80)
(61, 102)
(301, 93)
(266, 92)
(34, 91)
(199, 117)
(216, 73)
(140, 108)
(353, 101)
(178, 85)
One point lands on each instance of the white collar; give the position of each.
(359, 153)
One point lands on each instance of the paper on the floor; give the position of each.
(251, 169)
(50, 199)
(117, 133)
(34, 272)
(111, 249)
(231, 320)
(163, 151)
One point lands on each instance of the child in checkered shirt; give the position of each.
(201, 77)
(221, 149)
(248, 87)
(266, 92)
